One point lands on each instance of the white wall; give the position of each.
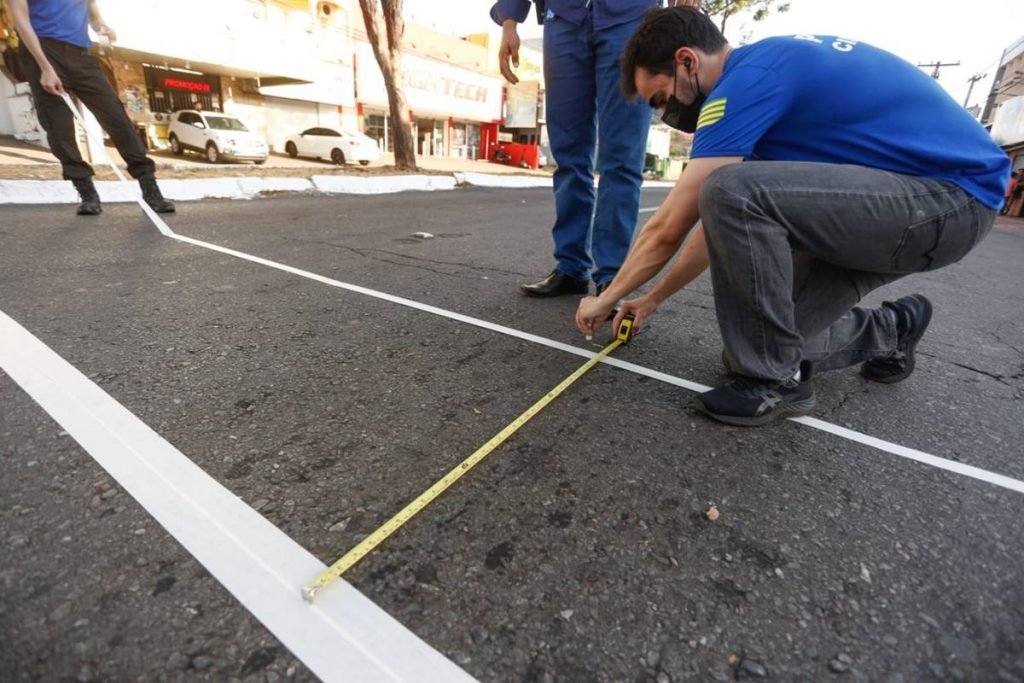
(17, 115)
(6, 92)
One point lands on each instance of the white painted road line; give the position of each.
(344, 637)
(649, 210)
(864, 439)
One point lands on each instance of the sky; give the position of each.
(921, 31)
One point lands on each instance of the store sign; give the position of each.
(191, 86)
(431, 87)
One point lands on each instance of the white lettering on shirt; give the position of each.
(840, 44)
(843, 45)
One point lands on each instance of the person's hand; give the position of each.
(592, 313)
(50, 81)
(509, 50)
(106, 31)
(640, 308)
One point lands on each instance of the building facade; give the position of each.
(1004, 109)
(452, 100)
(285, 65)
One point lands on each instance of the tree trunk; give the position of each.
(384, 30)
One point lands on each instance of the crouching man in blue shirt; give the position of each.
(857, 169)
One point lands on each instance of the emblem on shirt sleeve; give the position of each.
(712, 112)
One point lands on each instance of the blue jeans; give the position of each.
(585, 107)
(795, 246)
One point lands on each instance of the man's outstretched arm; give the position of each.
(658, 241)
(97, 22)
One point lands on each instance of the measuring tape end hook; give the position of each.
(309, 592)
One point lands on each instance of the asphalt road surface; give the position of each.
(580, 550)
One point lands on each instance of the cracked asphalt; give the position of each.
(578, 551)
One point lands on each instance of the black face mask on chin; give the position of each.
(683, 116)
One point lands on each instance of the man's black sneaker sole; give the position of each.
(784, 410)
(874, 371)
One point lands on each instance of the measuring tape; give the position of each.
(389, 527)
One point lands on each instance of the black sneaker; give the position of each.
(913, 313)
(749, 402)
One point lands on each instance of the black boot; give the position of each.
(90, 205)
(151, 193)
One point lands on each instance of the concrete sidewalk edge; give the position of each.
(112, 191)
(62, 191)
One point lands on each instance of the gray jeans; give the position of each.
(795, 246)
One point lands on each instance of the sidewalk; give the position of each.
(30, 175)
(24, 161)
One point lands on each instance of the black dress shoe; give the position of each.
(556, 283)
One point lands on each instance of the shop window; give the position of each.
(438, 138)
(473, 141)
(460, 148)
(173, 90)
(376, 127)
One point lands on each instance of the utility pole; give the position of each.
(972, 80)
(939, 65)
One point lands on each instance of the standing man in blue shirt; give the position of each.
(857, 169)
(55, 42)
(583, 40)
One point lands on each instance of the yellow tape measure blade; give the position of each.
(365, 546)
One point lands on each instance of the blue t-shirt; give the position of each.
(66, 20)
(837, 101)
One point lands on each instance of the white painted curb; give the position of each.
(62, 192)
(381, 184)
(488, 180)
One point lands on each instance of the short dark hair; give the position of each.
(663, 31)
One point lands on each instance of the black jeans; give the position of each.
(82, 77)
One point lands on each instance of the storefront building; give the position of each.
(279, 65)
(282, 66)
(448, 104)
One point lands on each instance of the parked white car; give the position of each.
(328, 143)
(220, 137)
